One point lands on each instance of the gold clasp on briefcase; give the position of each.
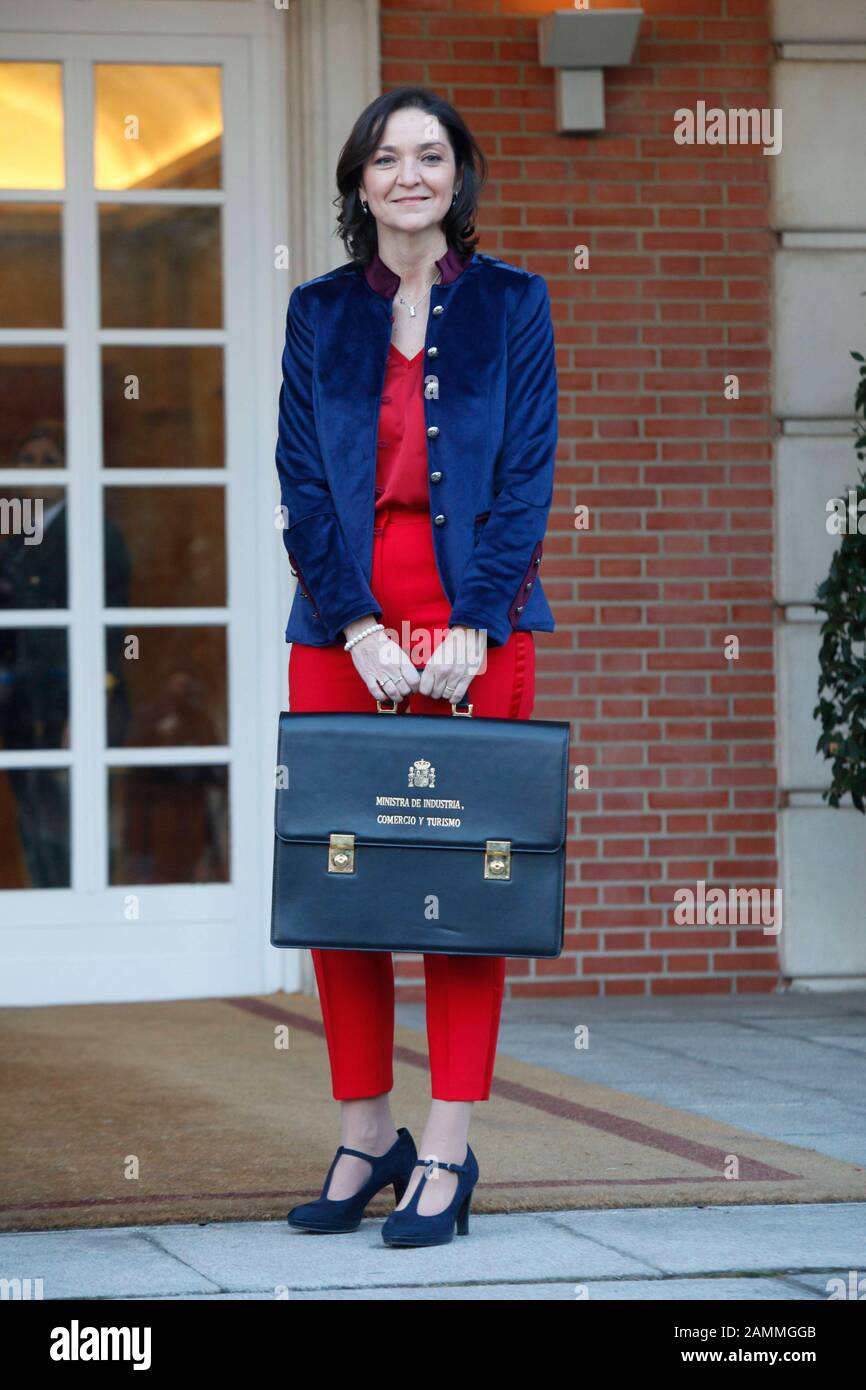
(392, 707)
(341, 854)
(497, 859)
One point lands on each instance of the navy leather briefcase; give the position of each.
(422, 833)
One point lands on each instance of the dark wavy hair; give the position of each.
(356, 227)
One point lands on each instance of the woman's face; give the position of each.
(410, 180)
(42, 451)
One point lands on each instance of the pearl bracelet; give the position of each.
(376, 627)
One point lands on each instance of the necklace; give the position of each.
(413, 307)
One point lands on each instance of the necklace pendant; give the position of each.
(411, 311)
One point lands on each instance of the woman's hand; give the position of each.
(382, 665)
(455, 661)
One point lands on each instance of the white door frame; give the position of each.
(91, 941)
(294, 79)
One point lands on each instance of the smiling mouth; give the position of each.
(414, 198)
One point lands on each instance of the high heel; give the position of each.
(344, 1215)
(408, 1227)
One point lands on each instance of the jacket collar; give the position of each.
(386, 282)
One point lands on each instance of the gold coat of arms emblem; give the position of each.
(422, 774)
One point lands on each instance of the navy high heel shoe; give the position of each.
(338, 1217)
(407, 1227)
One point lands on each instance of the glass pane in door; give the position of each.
(34, 827)
(167, 546)
(33, 559)
(31, 125)
(34, 687)
(32, 409)
(166, 686)
(163, 407)
(160, 266)
(158, 125)
(34, 659)
(168, 824)
(30, 266)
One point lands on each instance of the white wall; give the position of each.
(819, 210)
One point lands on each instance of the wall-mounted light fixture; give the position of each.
(580, 44)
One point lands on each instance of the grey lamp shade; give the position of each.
(588, 38)
(580, 44)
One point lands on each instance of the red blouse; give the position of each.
(401, 456)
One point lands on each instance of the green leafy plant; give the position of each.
(841, 704)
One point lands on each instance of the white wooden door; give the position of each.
(140, 615)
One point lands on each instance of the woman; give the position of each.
(417, 434)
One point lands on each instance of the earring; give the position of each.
(364, 206)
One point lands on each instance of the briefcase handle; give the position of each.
(463, 707)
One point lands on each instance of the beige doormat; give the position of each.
(134, 1114)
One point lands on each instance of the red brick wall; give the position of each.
(679, 740)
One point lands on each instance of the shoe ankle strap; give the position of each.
(451, 1167)
(371, 1158)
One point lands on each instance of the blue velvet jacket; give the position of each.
(490, 399)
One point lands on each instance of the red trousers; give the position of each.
(356, 988)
